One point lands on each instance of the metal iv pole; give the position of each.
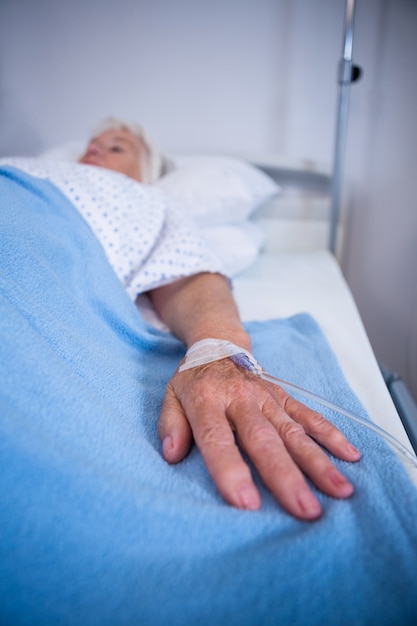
(347, 74)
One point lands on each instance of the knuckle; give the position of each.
(212, 435)
(317, 423)
(313, 420)
(291, 430)
(261, 435)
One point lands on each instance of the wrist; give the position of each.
(211, 349)
(236, 336)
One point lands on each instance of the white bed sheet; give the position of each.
(285, 283)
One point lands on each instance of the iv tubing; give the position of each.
(209, 350)
(406, 455)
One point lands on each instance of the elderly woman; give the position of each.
(220, 406)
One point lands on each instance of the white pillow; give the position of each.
(218, 190)
(69, 151)
(236, 245)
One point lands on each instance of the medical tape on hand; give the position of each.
(210, 350)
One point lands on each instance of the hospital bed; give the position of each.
(96, 527)
(288, 267)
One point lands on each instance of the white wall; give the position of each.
(255, 75)
(240, 76)
(381, 259)
(191, 70)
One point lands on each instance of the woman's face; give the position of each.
(117, 150)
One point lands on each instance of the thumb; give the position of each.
(174, 429)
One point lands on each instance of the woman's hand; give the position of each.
(224, 408)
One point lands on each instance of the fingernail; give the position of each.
(249, 498)
(341, 481)
(353, 451)
(309, 504)
(167, 446)
(337, 478)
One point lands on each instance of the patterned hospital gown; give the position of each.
(145, 236)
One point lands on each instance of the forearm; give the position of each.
(199, 307)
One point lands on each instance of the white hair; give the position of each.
(154, 164)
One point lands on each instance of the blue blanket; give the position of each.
(96, 528)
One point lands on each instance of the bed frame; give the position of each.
(308, 202)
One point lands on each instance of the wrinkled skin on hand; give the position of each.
(223, 408)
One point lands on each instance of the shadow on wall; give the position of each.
(18, 136)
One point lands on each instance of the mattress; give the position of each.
(281, 284)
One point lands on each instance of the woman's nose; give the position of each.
(94, 148)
